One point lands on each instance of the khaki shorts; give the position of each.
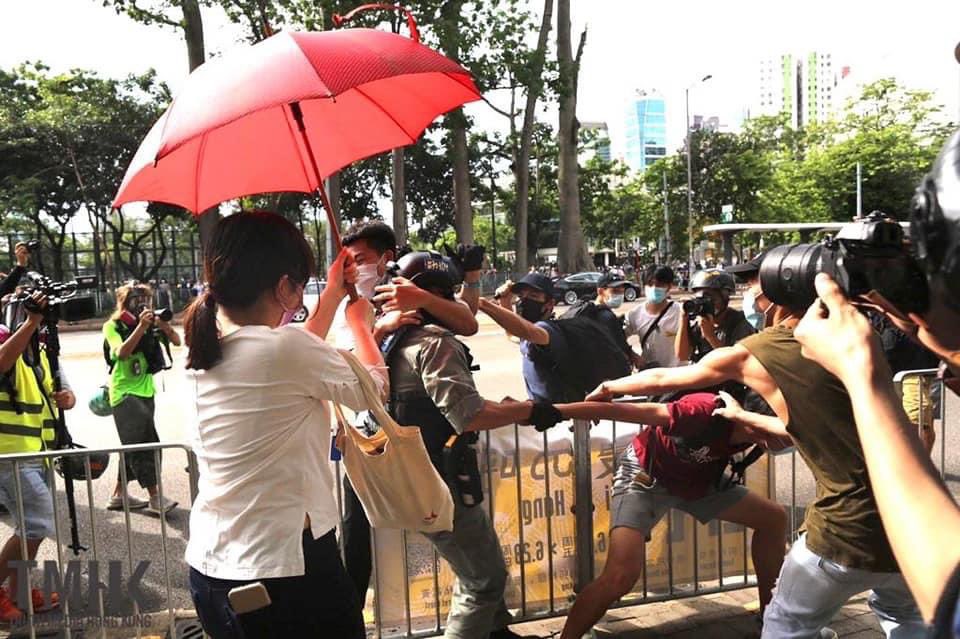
(916, 396)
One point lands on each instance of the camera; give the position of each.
(32, 245)
(700, 306)
(868, 258)
(56, 293)
(163, 314)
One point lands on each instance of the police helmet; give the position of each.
(935, 221)
(713, 279)
(430, 270)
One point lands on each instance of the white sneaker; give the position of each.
(116, 503)
(156, 507)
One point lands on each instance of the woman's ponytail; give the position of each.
(202, 336)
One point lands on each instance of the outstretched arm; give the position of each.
(642, 413)
(717, 367)
(514, 324)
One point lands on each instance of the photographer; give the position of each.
(134, 335)
(922, 519)
(844, 548)
(709, 321)
(27, 398)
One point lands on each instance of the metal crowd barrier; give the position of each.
(545, 492)
(66, 575)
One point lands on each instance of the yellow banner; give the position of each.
(531, 502)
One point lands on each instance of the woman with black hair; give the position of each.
(265, 509)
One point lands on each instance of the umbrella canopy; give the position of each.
(287, 112)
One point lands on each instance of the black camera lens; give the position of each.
(33, 245)
(164, 314)
(787, 274)
(700, 306)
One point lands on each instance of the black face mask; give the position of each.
(530, 309)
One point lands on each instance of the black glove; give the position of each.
(544, 415)
(468, 257)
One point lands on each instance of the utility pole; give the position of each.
(493, 222)
(668, 251)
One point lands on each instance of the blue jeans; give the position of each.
(811, 590)
(320, 603)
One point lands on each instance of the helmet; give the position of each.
(99, 404)
(73, 467)
(935, 220)
(713, 278)
(430, 270)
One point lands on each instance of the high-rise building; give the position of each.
(802, 86)
(602, 144)
(646, 132)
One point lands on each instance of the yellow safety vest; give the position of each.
(33, 427)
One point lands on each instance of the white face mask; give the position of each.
(614, 301)
(368, 276)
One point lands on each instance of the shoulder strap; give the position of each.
(656, 322)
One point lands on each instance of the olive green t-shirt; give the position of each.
(129, 376)
(843, 522)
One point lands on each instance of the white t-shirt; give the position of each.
(340, 330)
(262, 440)
(660, 343)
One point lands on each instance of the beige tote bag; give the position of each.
(391, 471)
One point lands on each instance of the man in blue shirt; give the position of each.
(542, 344)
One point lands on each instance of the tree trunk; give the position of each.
(456, 123)
(399, 198)
(526, 137)
(572, 250)
(196, 55)
(462, 199)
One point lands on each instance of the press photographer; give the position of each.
(921, 518)
(29, 410)
(708, 321)
(136, 340)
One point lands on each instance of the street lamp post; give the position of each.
(690, 177)
(493, 222)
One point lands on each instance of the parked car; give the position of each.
(572, 288)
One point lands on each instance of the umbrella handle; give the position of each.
(335, 234)
(339, 20)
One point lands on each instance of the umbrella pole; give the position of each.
(331, 218)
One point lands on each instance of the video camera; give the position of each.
(56, 293)
(868, 258)
(700, 306)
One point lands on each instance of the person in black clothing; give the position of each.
(610, 291)
(8, 283)
(725, 326)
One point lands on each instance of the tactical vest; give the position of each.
(27, 420)
(455, 459)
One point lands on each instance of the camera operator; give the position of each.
(134, 334)
(844, 549)
(27, 398)
(709, 321)
(921, 517)
(431, 385)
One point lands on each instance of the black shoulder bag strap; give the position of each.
(656, 322)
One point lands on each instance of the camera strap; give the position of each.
(656, 322)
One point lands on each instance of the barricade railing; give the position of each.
(65, 576)
(548, 497)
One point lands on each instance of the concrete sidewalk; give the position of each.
(729, 615)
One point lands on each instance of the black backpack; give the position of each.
(150, 345)
(592, 355)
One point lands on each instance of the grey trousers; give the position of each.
(473, 552)
(133, 417)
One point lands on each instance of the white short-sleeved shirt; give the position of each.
(660, 344)
(262, 440)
